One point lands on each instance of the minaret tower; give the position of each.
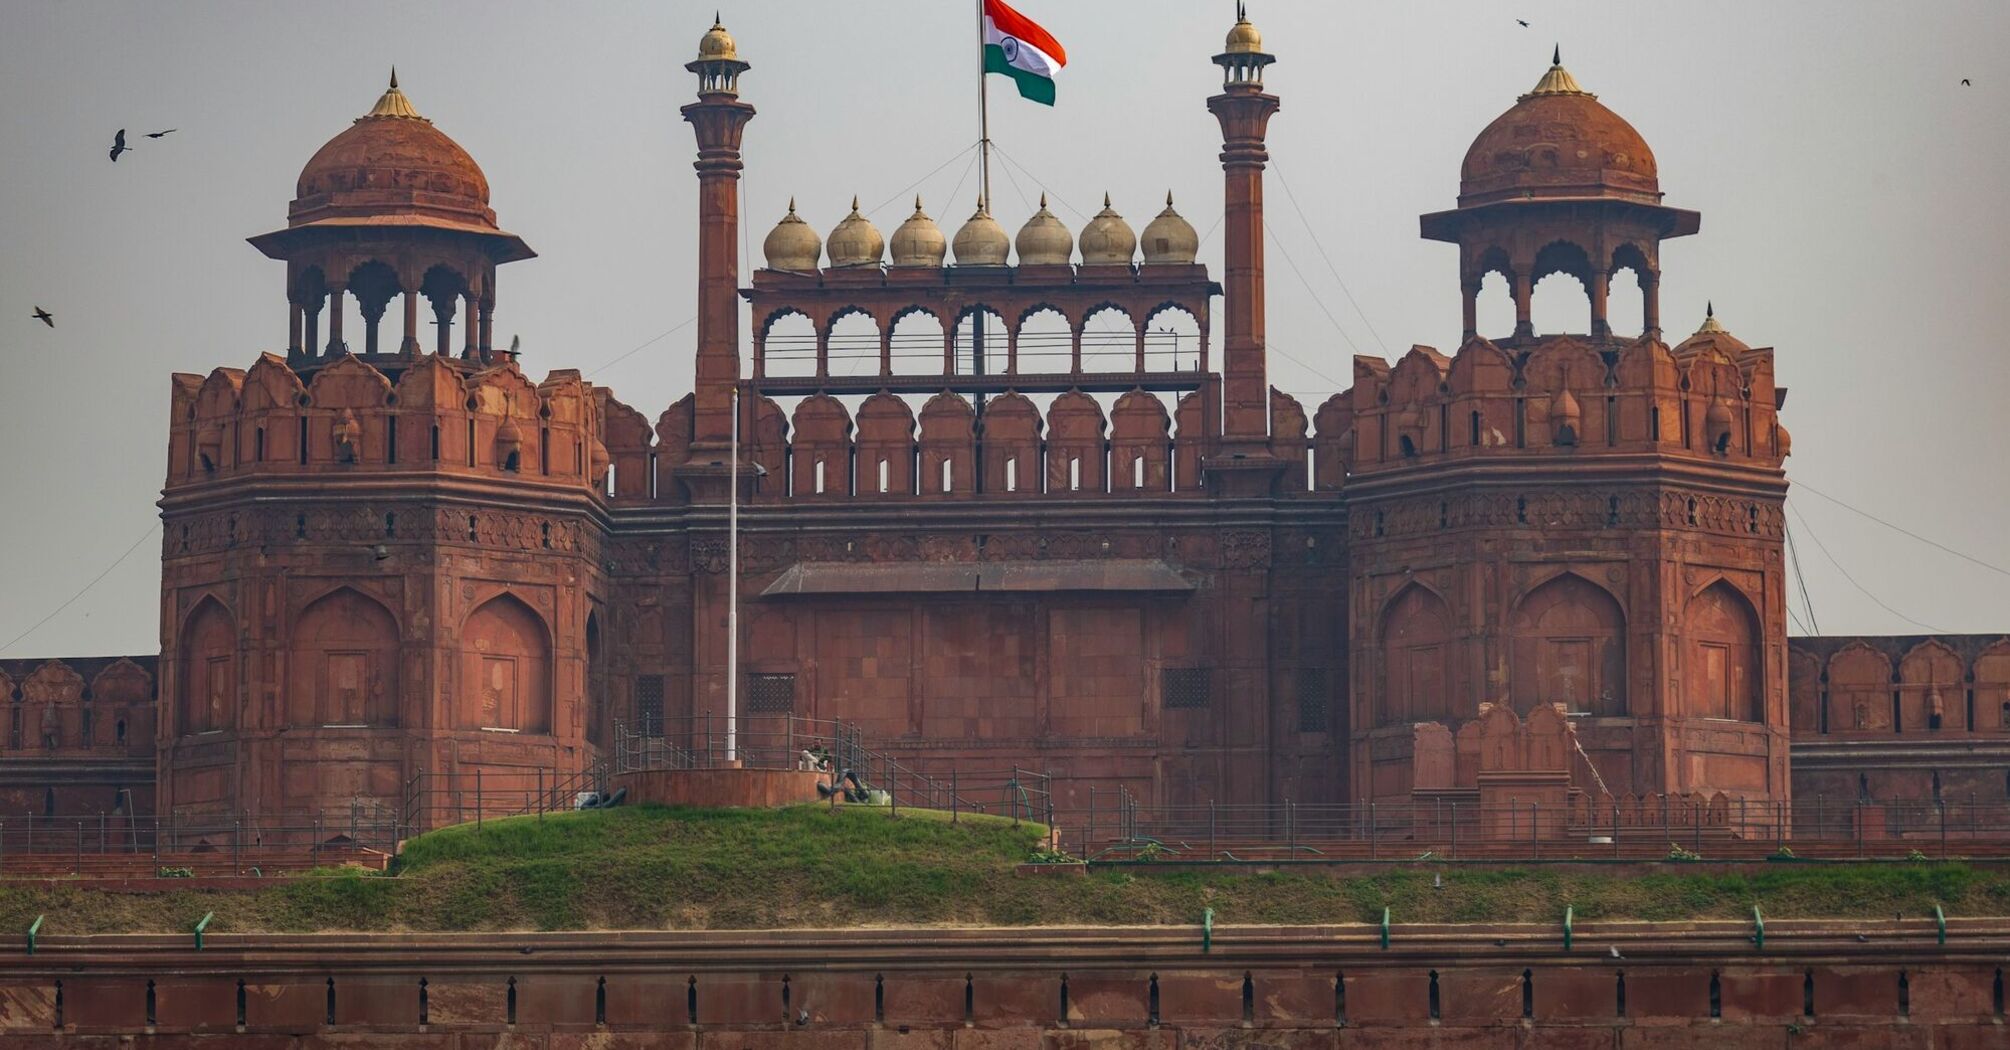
(1245, 466)
(718, 118)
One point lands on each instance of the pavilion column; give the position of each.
(1471, 311)
(443, 312)
(1601, 290)
(1139, 366)
(1075, 349)
(335, 312)
(486, 344)
(949, 349)
(410, 347)
(1650, 299)
(295, 314)
(310, 336)
(1524, 295)
(468, 325)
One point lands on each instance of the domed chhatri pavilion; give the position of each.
(1016, 495)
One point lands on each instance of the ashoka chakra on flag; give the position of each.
(1017, 47)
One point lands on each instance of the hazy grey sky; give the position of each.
(1856, 213)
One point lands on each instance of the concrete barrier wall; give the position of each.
(1325, 988)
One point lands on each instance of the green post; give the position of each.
(1569, 922)
(1206, 931)
(201, 925)
(1758, 929)
(1940, 921)
(34, 930)
(1385, 929)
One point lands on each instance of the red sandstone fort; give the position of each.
(991, 512)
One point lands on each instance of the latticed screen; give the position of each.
(771, 694)
(1312, 700)
(649, 704)
(1183, 688)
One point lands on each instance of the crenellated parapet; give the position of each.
(348, 418)
(1710, 399)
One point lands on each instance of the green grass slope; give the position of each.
(646, 867)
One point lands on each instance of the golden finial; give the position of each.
(854, 202)
(1168, 198)
(1557, 81)
(1106, 198)
(393, 103)
(1043, 201)
(1710, 322)
(792, 205)
(917, 204)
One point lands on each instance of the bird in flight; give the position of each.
(1965, 83)
(45, 317)
(158, 134)
(515, 345)
(119, 145)
(1521, 22)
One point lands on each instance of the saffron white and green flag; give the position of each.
(1017, 47)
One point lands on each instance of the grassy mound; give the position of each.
(646, 867)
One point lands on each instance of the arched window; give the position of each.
(1567, 644)
(1417, 653)
(506, 680)
(208, 686)
(1723, 676)
(342, 665)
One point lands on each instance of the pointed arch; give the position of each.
(1860, 690)
(506, 668)
(206, 689)
(342, 665)
(1416, 642)
(1567, 644)
(1932, 690)
(1724, 676)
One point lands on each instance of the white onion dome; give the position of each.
(1170, 239)
(792, 245)
(981, 241)
(919, 242)
(1107, 240)
(1044, 240)
(855, 241)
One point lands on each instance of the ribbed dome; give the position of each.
(1558, 141)
(1712, 335)
(792, 245)
(1243, 37)
(981, 241)
(856, 241)
(919, 242)
(1170, 240)
(1107, 240)
(716, 43)
(392, 163)
(1044, 240)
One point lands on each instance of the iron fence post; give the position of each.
(1859, 829)
(236, 847)
(1942, 807)
(1698, 810)
(1290, 829)
(954, 815)
(80, 845)
(1615, 829)
(1374, 832)
(101, 831)
(892, 801)
(1534, 831)
(317, 840)
(1211, 813)
(1452, 852)
(478, 796)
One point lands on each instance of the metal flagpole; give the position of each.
(983, 117)
(733, 591)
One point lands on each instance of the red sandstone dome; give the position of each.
(393, 164)
(1558, 141)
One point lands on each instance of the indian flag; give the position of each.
(1017, 47)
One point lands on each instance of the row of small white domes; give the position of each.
(1107, 240)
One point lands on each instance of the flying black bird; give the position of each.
(119, 145)
(45, 317)
(1965, 83)
(158, 134)
(1521, 23)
